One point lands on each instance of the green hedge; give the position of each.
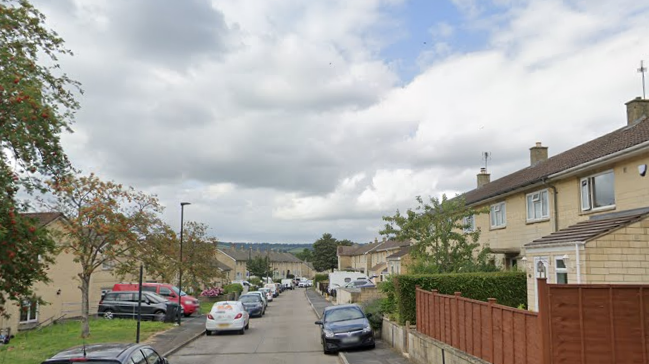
(320, 277)
(234, 287)
(509, 288)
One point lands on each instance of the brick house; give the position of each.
(281, 263)
(580, 215)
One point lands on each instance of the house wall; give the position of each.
(344, 261)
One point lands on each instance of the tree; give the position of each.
(305, 255)
(105, 221)
(440, 230)
(36, 105)
(259, 266)
(325, 252)
(200, 264)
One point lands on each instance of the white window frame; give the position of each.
(539, 197)
(586, 192)
(470, 221)
(558, 270)
(29, 311)
(500, 209)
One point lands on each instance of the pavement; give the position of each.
(382, 354)
(172, 340)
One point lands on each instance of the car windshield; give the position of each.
(343, 314)
(249, 299)
(175, 289)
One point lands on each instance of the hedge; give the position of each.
(508, 288)
(234, 287)
(320, 277)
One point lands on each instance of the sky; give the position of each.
(282, 120)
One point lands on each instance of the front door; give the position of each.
(544, 262)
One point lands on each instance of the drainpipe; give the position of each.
(578, 263)
(556, 204)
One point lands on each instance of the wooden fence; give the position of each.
(575, 324)
(498, 334)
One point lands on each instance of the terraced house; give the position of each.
(281, 263)
(579, 216)
(372, 259)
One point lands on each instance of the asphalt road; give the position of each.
(286, 334)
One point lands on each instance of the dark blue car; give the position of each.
(108, 354)
(345, 327)
(253, 304)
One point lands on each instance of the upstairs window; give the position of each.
(469, 224)
(598, 191)
(498, 215)
(537, 206)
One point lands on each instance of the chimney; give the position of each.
(538, 154)
(483, 177)
(636, 109)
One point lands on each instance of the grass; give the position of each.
(32, 347)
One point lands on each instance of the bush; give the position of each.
(389, 303)
(375, 308)
(212, 292)
(319, 278)
(509, 288)
(255, 281)
(234, 287)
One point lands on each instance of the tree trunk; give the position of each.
(85, 305)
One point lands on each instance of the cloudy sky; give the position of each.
(281, 120)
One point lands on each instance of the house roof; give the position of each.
(392, 245)
(245, 254)
(618, 140)
(43, 218)
(591, 229)
(220, 265)
(367, 248)
(379, 267)
(401, 253)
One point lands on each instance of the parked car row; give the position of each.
(234, 316)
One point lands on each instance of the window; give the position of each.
(469, 224)
(561, 271)
(598, 191)
(108, 265)
(537, 206)
(138, 358)
(152, 357)
(28, 311)
(498, 215)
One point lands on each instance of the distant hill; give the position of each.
(289, 248)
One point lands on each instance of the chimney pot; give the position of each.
(483, 177)
(538, 154)
(636, 109)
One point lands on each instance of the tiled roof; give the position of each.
(402, 252)
(43, 218)
(347, 250)
(591, 229)
(220, 265)
(379, 267)
(618, 140)
(241, 255)
(366, 248)
(391, 245)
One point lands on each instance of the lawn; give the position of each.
(32, 347)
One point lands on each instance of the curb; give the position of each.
(342, 357)
(181, 345)
(312, 307)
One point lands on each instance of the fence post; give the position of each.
(492, 354)
(406, 334)
(435, 320)
(419, 307)
(458, 343)
(544, 320)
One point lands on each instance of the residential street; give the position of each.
(286, 334)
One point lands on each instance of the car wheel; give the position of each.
(187, 314)
(109, 315)
(208, 333)
(324, 349)
(242, 331)
(247, 325)
(159, 316)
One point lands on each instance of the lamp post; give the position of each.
(180, 273)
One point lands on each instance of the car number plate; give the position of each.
(348, 340)
(224, 325)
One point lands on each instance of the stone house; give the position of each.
(579, 216)
(398, 262)
(281, 263)
(370, 259)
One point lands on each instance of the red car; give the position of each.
(190, 304)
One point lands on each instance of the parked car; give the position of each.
(254, 304)
(190, 304)
(263, 297)
(288, 283)
(361, 283)
(125, 304)
(268, 292)
(344, 327)
(273, 288)
(303, 284)
(227, 316)
(108, 353)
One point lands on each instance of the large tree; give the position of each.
(259, 266)
(106, 221)
(443, 236)
(36, 105)
(305, 255)
(325, 252)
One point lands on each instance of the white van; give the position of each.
(288, 283)
(341, 278)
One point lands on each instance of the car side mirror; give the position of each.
(318, 322)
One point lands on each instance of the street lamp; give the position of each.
(180, 274)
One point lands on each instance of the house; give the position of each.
(578, 216)
(281, 263)
(370, 259)
(398, 262)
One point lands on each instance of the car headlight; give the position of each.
(328, 333)
(367, 329)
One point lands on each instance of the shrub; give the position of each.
(389, 304)
(509, 288)
(212, 292)
(320, 277)
(234, 287)
(375, 308)
(255, 281)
